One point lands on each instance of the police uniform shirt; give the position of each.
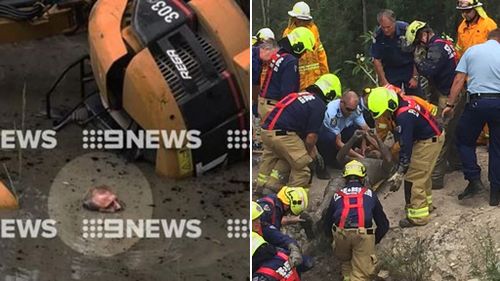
(481, 63)
(398, 64)
(285, 78)
(302, 116)
(411, 127)
(372, 208)
(439, 65)
(335, 121)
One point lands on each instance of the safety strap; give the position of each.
(273, 209)
(281, 105)
(348, 206)
(269, 74)
(412, 104)
(450, 44)
(271, 272)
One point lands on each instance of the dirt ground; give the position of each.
(453, 237)
(213, 198)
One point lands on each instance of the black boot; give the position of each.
(494, 197)
(472, 188)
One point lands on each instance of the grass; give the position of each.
(485, 263)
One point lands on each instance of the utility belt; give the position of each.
(482, 96)
(358, 230)
(434, 138)
(284, 133)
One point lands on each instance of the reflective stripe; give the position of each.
(257, 241)
(261, 178)
(275, 174)
(429, 200)
(418, 213)
(347, 278)
(308, 66)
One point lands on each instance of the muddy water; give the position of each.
(213, 198)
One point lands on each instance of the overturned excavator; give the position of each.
(169, 65)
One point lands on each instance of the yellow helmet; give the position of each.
(468, 4)
(295, 197)
(380, 100)
(301, 11)
(354, 168)
(257, 210)
(412, 29)
(301, 39)
(330, 86)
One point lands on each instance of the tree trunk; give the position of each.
(365, 24)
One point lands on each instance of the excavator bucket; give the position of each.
(7, 199)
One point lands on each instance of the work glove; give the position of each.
(395, 181)
(307, 224)
(295, 257)
(320, 167)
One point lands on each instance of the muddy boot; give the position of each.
(472, 188)
(494, 197)
(406, 223)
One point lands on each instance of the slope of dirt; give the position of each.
(451, 243)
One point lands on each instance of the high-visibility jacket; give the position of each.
(314, 63)
(473, 34)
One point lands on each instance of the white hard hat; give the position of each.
(265, 34)
(301, 11)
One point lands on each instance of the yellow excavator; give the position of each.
(165, 65)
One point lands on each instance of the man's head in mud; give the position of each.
(349, 103)
(102, 199)
(354, 171)
(256, 211)
(294, 199)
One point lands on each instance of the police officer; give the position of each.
(268, 262)
(435, 58)
(350, 217)
(289, 200)
(342, 117)
(282, 75)
(392, 61)
(481, 64)
(421, 139)
(289, 134)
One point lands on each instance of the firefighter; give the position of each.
(350, 217)
(289, 134)
(421, 139)
(313, 63)
(473, 29)
(268, 262)
(435, 58)
(282, 77)
(289, 201)
(481, 66)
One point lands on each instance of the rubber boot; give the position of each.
(494, 197)
(472, 188)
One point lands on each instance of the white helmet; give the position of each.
(301, 11)
(265, 34)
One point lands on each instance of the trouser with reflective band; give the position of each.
(272, 174)
(423, 159)
(449, 152)
(291, 149)
(356, 252)
(265, 105)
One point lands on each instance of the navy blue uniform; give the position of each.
(372, 208)
(303, 116)
(411, 127)
(271, 222)
(439, 64)
(398, 63)
(285, 77)
(256, 66)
